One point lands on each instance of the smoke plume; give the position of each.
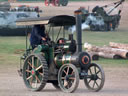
(91, 19)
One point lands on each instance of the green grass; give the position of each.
(9, 45)
(103, 38)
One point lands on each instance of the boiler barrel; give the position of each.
(81, 59)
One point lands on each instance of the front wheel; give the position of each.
(96, 77)
(68, 78)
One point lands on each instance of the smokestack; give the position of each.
(78, 30)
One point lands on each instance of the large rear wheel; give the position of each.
(68, 78)
(35, 72)
(96, 78)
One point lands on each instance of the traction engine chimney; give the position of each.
(78, 30)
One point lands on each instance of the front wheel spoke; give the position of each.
(68, 85)
(72, 73)
(89, 81)
(97, 72)
(65, 83)
(72, 78)
(94, 84)
(67, 71)
(99, 78)
(63, 78)
(90, 71)
(95, 69)
(29, 77)
(39, 67)
(97, 84)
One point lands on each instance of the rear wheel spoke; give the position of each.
(41, 73)
(30, 64)
(37, 63)
(39, 67)
(31, 81)
(37, 79)
(29, 77)
(28, 71)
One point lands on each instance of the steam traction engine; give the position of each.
(61, 63)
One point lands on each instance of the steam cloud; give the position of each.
(90, 20)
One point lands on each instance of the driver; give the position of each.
(38, 36)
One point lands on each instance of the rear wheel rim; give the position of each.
(34, 75)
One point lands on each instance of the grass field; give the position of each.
(9, 46)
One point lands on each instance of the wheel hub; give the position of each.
(33, 72)
(67, 77)
(94, 77)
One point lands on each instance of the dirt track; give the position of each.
(116, 83)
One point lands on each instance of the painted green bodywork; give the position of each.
(46, 51)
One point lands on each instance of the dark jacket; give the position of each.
(37, 34)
